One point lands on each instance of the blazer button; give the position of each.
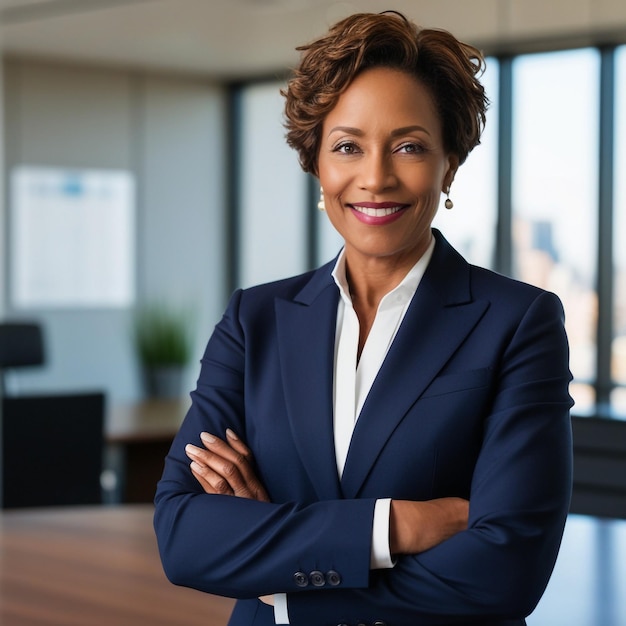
(317, 578)
(333, 578)
(301, 579)
(379, 623)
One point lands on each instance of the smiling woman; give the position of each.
(363, 434)
(382, 163)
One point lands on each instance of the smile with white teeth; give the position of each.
(377, 212)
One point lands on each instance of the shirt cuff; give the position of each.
(381, 554)
(281, 616)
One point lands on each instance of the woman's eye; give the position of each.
(410, 148)
(346, 148)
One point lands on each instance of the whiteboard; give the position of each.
(72, 237)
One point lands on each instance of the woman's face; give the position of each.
(383, 166)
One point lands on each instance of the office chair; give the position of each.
(52, 448)
(21, 345)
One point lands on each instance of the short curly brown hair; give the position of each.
(448, 67)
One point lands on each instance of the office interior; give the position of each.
(180, 99)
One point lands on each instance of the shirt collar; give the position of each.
(403, 291)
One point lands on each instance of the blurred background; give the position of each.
(145, 165)
(145, 176)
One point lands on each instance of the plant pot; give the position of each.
(165, 381)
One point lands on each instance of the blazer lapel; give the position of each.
(439, 318)
(306, 339)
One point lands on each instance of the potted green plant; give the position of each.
(163, 343)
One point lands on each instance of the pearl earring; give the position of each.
(448, 203)
(321, 205)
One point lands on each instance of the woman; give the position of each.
(385, 440)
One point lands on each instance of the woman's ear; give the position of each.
(453, 166)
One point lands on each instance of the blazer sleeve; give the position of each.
(520, 495)
(238, 547)
(498, 567)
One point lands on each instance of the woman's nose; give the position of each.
(377, 173)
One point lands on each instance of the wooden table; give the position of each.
(138, 437)
(99, 566)
(95, 566)
(149, 420)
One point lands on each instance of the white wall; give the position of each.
(182, 171)
(168, 132)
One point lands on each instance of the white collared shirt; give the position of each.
(353, 381)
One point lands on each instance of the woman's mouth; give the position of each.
(377, 213)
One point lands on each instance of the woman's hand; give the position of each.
(225, 467)
(418, 526)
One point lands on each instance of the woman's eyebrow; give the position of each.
(351, 130)
(409, 129)
(346, 129)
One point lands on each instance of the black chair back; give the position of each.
(52, 450)
(21, 345)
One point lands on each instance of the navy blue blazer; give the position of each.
(472, 401)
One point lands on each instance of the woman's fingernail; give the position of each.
(207, 438)
(231, 435)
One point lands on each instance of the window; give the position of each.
(555, 193)
(618, 348)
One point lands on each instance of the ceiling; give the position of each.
(223, 39)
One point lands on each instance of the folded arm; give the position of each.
(247, 547)
(226, 467)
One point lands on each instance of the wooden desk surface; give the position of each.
(97, 566)
(150, 420)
